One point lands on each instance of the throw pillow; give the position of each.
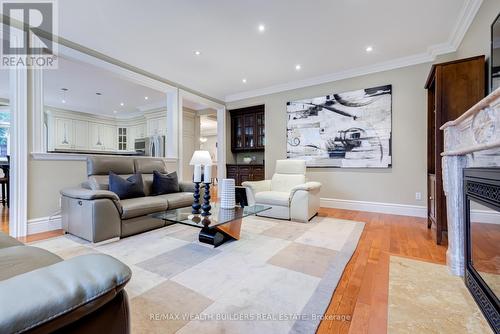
(130, 188)
(164, 183)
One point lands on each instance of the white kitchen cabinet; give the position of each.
(140, 130)
(96, 136)
(103, 137)
(63, 133)
(80, 135)
(110, 137)
(157, 126)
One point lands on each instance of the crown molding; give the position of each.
(465, 18)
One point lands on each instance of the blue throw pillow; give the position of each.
(164, 183)
(129, 188)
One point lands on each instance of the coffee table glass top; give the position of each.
(219, 216)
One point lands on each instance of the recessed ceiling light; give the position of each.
(114, 111)
(197, 53)
(298, 67)
(63, 101)
(261, 28)
(122, 104)
(145, 97)
(244, 80)
(369, 49)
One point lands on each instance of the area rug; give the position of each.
(278, 278)
(425, 298)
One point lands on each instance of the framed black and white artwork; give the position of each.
(343, 130)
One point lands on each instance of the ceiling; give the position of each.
(83, 81)
(325, 37)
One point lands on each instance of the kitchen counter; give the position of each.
(120, 153)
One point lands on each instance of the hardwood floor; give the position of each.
(362, 293)
(4, 219)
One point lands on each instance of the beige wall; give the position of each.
(395, 185)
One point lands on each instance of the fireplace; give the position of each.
(482, 240)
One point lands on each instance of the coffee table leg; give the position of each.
(213, 236)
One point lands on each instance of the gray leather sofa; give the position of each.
(94, 213)
(41, 293)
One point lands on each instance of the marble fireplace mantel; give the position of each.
(472, 140)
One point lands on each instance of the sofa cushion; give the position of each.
(177, 200)
(273, 198)
(131, 187)
(164, 183)
(7, 241)
(18, 260)
(140, 206)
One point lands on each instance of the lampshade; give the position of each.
(201, 158)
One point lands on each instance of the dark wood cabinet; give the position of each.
(452, 88)
(248, 129)
(242, 173)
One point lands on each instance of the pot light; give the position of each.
(298, 67)
(146, 98)
(369, 48)
(197, 53)
(63, 101)
(261, 28)
(122, 104)
(114, 111)
(244, 80)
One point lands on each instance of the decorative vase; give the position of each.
(227, 195)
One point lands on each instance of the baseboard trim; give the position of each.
(487, 217)
(44, 224)
(378, 207)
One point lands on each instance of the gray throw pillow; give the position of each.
(164, 183)
(129, 188)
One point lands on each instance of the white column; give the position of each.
(172, 138)
(18, 218)
(453, 188)
(221, 143)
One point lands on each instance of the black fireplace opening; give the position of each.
(482, 240)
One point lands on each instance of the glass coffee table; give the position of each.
(222, 225)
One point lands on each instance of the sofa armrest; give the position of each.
(87, 194)
(54, 296)
(308, 186)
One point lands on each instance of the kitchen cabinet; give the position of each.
(157, 126)
(103, 137)
(242, 173)
(247, 129)
(80, 134)
(63, 138)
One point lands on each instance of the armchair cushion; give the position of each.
(273, 198)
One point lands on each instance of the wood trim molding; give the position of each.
(467, 14)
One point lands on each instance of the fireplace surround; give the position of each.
(482, 240)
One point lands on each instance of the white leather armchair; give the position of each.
(288, 193)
